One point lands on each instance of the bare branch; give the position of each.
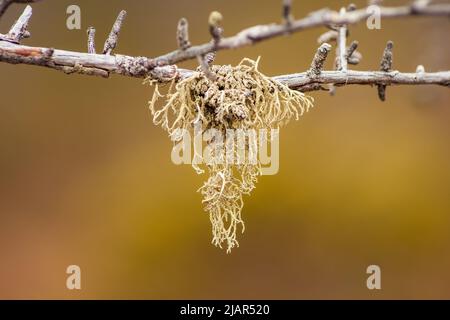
(319, 60)
(351, 77)
(183, 34)
(4, 4)
(162, 68)
(342, 45)
(388, 57)
(141, 67)
(386, 66)
(19, 30)
(113, 37)
(91, 40)
(326, 17)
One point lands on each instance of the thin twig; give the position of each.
(386, 66)
(19, 30)
(342, 45)
(113, 37)
(287, 15)
(319, 60)
(183, 34)
(216, 31)
(91, 40)
(328, 36)
(204, 66)
(4, 4)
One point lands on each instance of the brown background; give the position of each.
(86, 178)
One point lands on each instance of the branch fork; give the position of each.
(163, 68)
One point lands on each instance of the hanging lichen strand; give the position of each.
(223, 98)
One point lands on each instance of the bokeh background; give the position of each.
(86, 178)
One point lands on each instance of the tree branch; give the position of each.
(4, 4)
(321, 18)
(91, 40)
(163, 69)
(301, 81)
(101, 65)
(113, 37)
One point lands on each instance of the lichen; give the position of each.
(241, 97)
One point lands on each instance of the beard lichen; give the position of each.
(239, 98)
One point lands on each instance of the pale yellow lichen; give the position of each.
(241, 97)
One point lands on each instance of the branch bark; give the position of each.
(321, 18)
(163, 69)
(102, 65)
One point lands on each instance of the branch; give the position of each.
(162, 69)
(140, 67)
(319, 60)
(113, 37)
(183, 34)
(302, 81)
(91, 39)
(321, 18)
(4, 4)
(102, 65)
(19, 29)
(342, 45)
(386, 66)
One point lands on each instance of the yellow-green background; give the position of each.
(86, 178)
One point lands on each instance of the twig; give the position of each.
(319, 60)
(328, 37)
(214, 21)
(287, 15)
(183, 34)
(19, 30)
(209, 58)
(326, 17)
(342, 45)
(91, 40)
(386, 66)
(113, 37)
(4, 4)
(140, 67)
(351, 49)
(300, 80)
(204, 66)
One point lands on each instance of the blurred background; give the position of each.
(86, 178)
